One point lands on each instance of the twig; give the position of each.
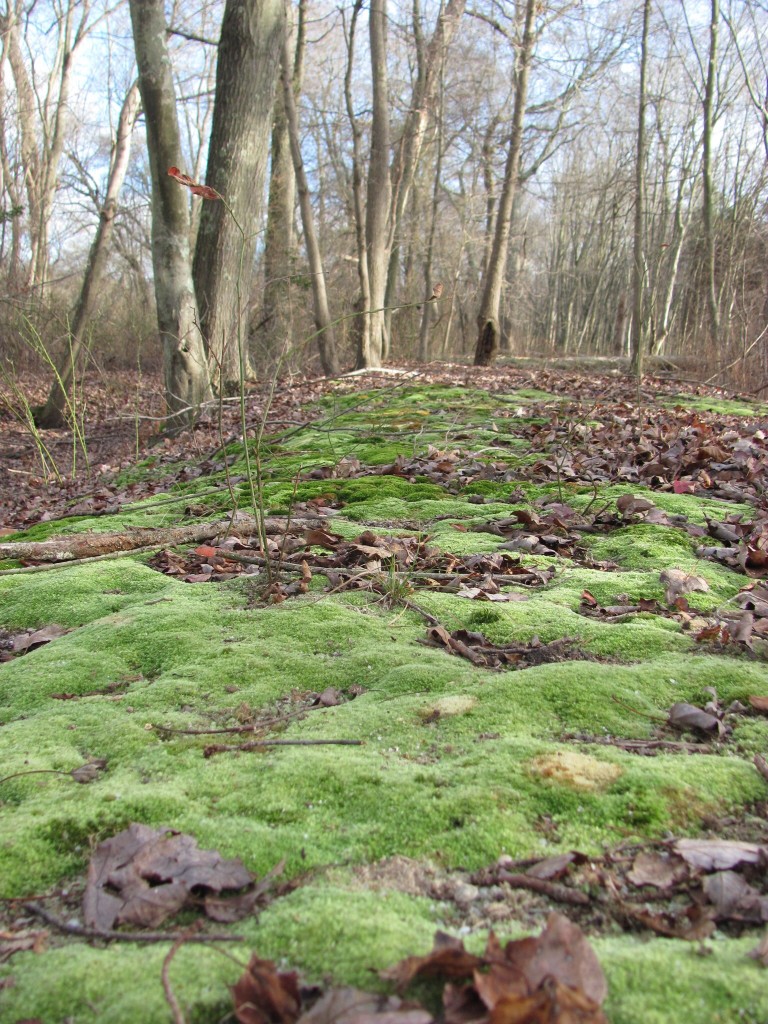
(641, 746)
(35, 771)
(641, 714)
(170, 997)
(560, 893)
(108, 935)
(223, 748)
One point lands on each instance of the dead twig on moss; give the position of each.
(559, 893)
(224, 748)
(109, 935)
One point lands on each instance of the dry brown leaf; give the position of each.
(719, 854)
(657, 869)
(264, 995)
(448, 959)
(562, 952)
(142, 876)
(20, 942)
(678, 582)
(552, 1003)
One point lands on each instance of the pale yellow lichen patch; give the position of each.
(454, 704)
(574, 769)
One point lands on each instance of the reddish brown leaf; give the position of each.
(562, 952)
(205, 191)
(552, 1003)
(263, 995)
(448, 959)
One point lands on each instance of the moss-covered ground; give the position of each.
(449, 770)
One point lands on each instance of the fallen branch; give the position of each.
(108, 935)
(560, 893)
(643, 746)
(223, 748)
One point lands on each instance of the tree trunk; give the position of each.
(275, 329)
(430, 61)
(323, 324)
(53, 412)
(246, 75)
(638, 258)
(379, 190)
(186, 372)
(710, 89)
(488, 318)
(362, 324)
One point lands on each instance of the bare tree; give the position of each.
(53, 412)
(42, 113)
(638, 257)
(323, 323)
(186, 372)
(373, 341)
(246, 75)
(488, 315)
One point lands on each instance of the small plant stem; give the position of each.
(35, 771)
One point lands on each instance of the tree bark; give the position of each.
(275, 329)
(246, 75)
(323, 324)
(430, 61)
(53, 412)
(362, 324)
(186, 372)
(488, 317)
(638, 257)
(379, 191)
(710, 89)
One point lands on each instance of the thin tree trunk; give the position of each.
(53, 412)
(638, 257)
(710, 89)
(325, 337)
(488, 317)
(379, 189)
(186, 372)
(275, 330)
(430, 59)
(246, 75)
(362, 323)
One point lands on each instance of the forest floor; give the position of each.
(492, 647)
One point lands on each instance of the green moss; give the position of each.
(723, 406)
(449, 763)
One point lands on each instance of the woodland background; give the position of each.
(582, 178)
